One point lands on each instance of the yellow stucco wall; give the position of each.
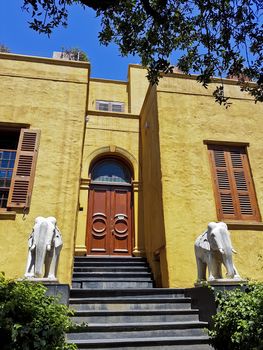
(151, 196)
(137, 87)
(108, 90)
(187, 116)
(107, 134)
(51, 96)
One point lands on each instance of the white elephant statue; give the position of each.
(45, 243)
(212, 249)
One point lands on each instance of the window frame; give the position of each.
(4, 188)
(115, 161)
(110, 105)
(20, 190)
(239, 185)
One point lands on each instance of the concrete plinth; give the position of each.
(204, 295)
(54, 288)
(223, 283)
(58, 290)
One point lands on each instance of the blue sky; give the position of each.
(81, 32)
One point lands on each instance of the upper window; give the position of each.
(233, 184)
(110, 170)
(8, 145)
(110, 106)
(7, 162)
(18, 152)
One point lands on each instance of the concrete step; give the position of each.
(128, 330)
(115, 304)
(143, 343)
(107, 258)
(112, 279)
(149, 293)
(113, 275)
(109, 264)
(109, 284)
(125, 316)
(111, 268)
(116, 298)
(156, 346)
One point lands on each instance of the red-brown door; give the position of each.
(109, 227)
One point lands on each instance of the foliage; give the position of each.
(29, 320)
(211, 37)
(76, 54)
(4, 48)
(239, 323)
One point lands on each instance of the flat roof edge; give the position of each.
(47, 60)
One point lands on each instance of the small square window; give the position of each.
(110, 106)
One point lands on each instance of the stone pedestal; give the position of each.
(204, 295)
(223, 284)
(60, 290)
(54, 288)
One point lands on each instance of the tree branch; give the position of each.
(100, 5)
(152, 12)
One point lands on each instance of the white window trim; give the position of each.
(111, 105)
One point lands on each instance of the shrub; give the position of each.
(239, 323)
(30, 320)
(75, 54)
(4, 48)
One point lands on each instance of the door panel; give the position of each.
(109, 228)
(98, 221)
(121, 221)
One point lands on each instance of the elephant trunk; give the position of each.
(41, 249)
(228, 262)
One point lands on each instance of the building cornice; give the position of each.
(46, 60)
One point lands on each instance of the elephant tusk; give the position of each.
(234, 251)
(221, 250)
(48, 247)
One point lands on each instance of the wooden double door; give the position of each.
(109, 224)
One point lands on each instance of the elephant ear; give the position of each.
(58, 237)
(205, 244)
(31, 239)
(203, 241)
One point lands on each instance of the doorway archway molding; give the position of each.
(130, 160)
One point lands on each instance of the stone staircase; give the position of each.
(117, 298)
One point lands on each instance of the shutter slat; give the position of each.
(223, 180)
(219, 158)
(24, 169)
(29, 141)
(240, 179)
(227, 203)
(236, 159)
(245, 204)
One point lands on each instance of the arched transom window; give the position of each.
(110, 170)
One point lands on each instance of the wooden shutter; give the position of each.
(24, 169)
(233, 185)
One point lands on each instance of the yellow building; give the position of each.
(126, 168)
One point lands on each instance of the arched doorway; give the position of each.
(110, 209)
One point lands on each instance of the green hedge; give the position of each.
(30, 320)
(239, 323)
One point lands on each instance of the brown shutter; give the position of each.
(243, 185)
(24, 169)
(233, 186)
(222, 184)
